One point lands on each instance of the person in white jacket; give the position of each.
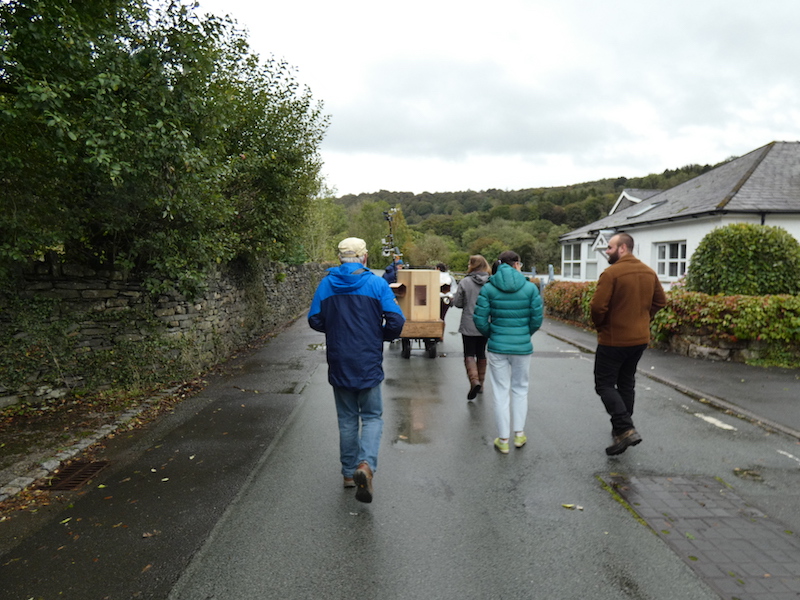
(447, 288)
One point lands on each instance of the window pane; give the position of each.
(591, 270)
(662, 252)
(683, 250)
(673, 269)
(576, 270)
(673, 250)
(661, 268)
(576, 252)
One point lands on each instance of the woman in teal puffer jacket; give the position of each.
(508, 312)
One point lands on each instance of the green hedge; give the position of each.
(772, 320)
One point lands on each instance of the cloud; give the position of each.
(440, 95)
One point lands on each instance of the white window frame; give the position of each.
(570, 265)
(671, 259)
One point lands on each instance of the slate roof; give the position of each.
(766, 180)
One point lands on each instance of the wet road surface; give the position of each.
(239, 494)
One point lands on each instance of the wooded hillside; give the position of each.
(449, 226)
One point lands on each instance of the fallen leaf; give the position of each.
(569, 506)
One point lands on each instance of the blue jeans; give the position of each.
(508, 377)
(356, 408)
(614, 381)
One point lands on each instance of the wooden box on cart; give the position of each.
(417, 292)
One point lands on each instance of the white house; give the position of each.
(762, 187)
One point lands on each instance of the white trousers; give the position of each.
(508, 376)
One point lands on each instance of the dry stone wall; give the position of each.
(104, 310)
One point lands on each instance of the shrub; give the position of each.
(746, 259)
(570, 300)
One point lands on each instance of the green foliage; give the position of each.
(573, 205)
(428, 250)
(772, 321)
(149, 139)
(327, 221)
(771, 318)
(744, 258)
(528, 221)
(37, 345)
(367, 221)
(459, 262)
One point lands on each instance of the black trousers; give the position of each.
(474, 345)
(615, 382)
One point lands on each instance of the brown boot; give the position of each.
(481, 373)
(472, 375)
(363, 480)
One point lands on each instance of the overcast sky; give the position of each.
(437, 96)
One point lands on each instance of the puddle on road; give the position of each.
(414, 417)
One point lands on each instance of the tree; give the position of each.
(746, 259)
(148, 139)
(325, 227)
(370, 224)
(429, 250)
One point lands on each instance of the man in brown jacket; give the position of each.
(628, 295)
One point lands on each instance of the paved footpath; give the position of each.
(770, 396)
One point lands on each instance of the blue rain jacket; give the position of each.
(357, 312)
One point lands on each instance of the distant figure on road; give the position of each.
(628, 295)
(357, 312)
(474, 343)
(390, 272)
(508, 312)
(447, 289)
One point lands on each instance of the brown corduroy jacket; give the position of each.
(628, 295)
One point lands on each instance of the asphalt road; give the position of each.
(238, 494)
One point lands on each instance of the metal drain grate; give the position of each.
(75, 475)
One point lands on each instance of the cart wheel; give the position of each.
(431, 347)
(405, 350)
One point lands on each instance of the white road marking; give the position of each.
(789, 455)
(715, 422)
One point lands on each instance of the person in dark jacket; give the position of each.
(508, 312)
(627, 297)
(390, 272)
(357, 311)
(474, 343)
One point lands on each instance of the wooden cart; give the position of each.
(417, 293)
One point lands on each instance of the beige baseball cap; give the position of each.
(352, 247)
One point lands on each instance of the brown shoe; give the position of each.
(363, 479)
(622, 441)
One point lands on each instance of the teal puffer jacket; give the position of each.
(509, 311)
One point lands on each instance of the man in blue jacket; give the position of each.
(357, 312)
